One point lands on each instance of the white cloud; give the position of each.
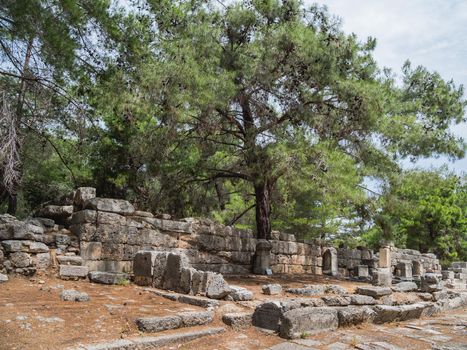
(432, 33)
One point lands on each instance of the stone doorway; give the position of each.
(330, 262)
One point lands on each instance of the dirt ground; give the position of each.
(32, 315)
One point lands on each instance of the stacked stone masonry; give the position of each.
(107, 233)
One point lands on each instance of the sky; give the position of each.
(432, 33)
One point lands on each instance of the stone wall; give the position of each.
(107, 233)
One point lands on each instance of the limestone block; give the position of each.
(82, 194)
(262, 260)
(375, 292)
(186, 280)
(268, 315)
(74, 295)
(335, 301)
(362, 271)
(405, 287)
(61, 239)
(118, 206)
(195, 318)
(91, 250)
(73, 271)
(157, 324)
(20, 259)
(37, 247)
(404, 269)
(238, 320)
(351, 316)
(430, 282)
(239, 294)
(3, 278)
(298, 321)
(385, 257)
(216, 286)
(86, 232)
(382, 277)
(170, 225)
(109, 265)
(108, 277)
(15, 246)
(173, 271)
(112, 251)
(459, 264)
(55, 212)
(70, 260)
(271, 289)
(21, 230)
(42, 260)
(367, 254)
(356, 299)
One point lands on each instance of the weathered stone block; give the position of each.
(362, 271)
(118, 206)
(157, 324)
(55, 212)
(304, 320)
(14, 246)
(195, 318)
(268, 315)
(239, 294)
(71, 271)
(20, 259)
(262, 261)
(375, 292)
(42, 260)
(82, 194)
(238, 320)
(70, 260)
(37, 247)
(91, 250)
(335, 301)
(216, 286)
(350, 316)
(382, 277)
(405, 287)
(74, 295)
(108, 277)
(272, 289)
(385, 257)
(173, 271)
(356, 299)
(109, 265)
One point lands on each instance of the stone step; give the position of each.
(183, 319)
(186, 299)
(141, 343)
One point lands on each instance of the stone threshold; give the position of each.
(140, 343)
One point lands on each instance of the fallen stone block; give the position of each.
(405, 287)
(271, 289)
(118, 206)
(197, 301)
(3, 278)
(356, 299)
(37, 247)
(55, 212)
(268, 315)
(350, 316)
(74, 295)
(108, 277)
(238, 320)
(375, 292)
(430, 282)
(216, 286)
(308, 290)
(195, 318)
(335, 289)
(239, 294)
(157, 324)
(447, 275)
(71, 271)
(382, 277)
(387, 313)
(306, 320)
(335, 301)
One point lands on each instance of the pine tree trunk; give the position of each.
(263, 211)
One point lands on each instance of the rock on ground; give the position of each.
(271, 289)
(73, 295)
(238, 320)
(297, 322)
(375, 292)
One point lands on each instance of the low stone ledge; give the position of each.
(108, 277)
(375, 292)
(141, 343)
(184, 319)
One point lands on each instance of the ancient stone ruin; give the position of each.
(189, 260)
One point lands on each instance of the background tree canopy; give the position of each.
(261, 114)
